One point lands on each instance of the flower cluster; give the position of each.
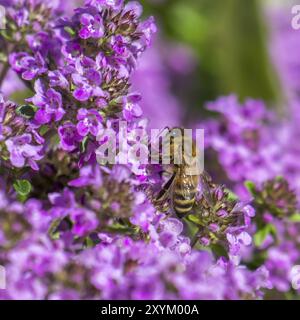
(257, 152)
(117, 267)
(18, 142)
(252, 143)
(222, 220)
(80, 78)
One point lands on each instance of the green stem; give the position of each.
(194, 240)
(4, 72)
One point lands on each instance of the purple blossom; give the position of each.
(69, 137)
(114, 4)
(84, 221)
(89, 176)
(89, 121)
(57, 79)
(87, 79)
(170, 232)
(92, 26)
(23, 152)
(65, 199)
(131, 107)
(39, 257)
(49, 102)
(30, 67)
(279, 263)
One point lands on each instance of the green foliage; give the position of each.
(27, 111)
(261, 235)
(20, 96)
(295, 217)
(70, 31)
(23, 189)
(231, 195)
(53, 229)
(218, 250)
(230, 41)
(250, 185)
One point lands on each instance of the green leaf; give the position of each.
(231, 195)
(22, 187)
(262, 234)
(3, 57)
(53, 232)
(43, 130)
(70, 31)
(27, 111)
(250, 187)
(6, 35)
(295, 217)
(218, 250)
(20, 96)
(193, 218)
(89, 242)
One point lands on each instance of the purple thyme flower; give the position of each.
(57, 79)
(100, 4)
(69, 136)
(92, 26)
(131, 107)
(89, 176)
(90, 121)
(87, 79)
(50, 103)
(84, 221)
(22, 152)
(30, 67)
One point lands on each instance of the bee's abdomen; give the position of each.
(183, 198)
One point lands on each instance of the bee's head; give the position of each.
(176, 132)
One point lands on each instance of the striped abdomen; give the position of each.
(184, 192)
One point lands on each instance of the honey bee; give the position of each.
(181, 189)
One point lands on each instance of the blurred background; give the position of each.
(205, 49)
(208, 48)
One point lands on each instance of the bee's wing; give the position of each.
(164, 193)
(205, 181)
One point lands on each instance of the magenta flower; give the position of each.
(148, 28)
(57, 79)
(84, 221)
(92, 26)
(131, 107)
(30, 67)
(89, 176)
(119, 45)
(114, 4)
(90, 121)
(22, 152)
(69, 137)
(87, 79)
(50, 103)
